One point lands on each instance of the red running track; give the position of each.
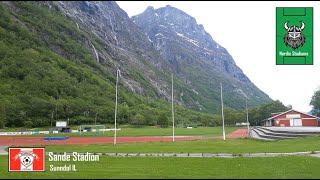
(38, 141)
(239, 133)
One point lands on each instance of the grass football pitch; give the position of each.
(150, 131)
(177, 167)
(201, 146)
(156, 167)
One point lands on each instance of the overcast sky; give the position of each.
(247, 31)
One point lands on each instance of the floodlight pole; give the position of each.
(247, 118)
(115, 110)
(95, 120)
(172, 108)
(222, 114)
(51, 118)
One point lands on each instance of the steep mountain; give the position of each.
(137, 52)
(59, 60)
(121, 44)
(54, 66)
(197, 59)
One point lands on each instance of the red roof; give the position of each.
(279, 114)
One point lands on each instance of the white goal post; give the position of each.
(92, 128)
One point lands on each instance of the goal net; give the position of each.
(92, 129)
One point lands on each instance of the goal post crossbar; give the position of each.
(92, 128)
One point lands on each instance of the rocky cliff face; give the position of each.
(194, 55)
(124, 46)
(152, 45)
(168, 26)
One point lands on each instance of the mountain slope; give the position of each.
(58, 62)
(120, 44)
(146, 70)
(50, 71)
(197, 59)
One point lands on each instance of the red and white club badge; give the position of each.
(26, 159)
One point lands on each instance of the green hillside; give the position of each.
(38, 86)
(48, 72)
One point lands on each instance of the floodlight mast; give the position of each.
(222, 114)
(172, 108)
(115, 110)
(247, 117)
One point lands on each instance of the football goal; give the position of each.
(92, 129)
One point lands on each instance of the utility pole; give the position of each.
(222, 114)
(247, 117)
(115, 110)
(95, 120)
(56, 108)
(56, 111)
(172, 107)
(51, 118)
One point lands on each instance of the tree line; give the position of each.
(315, 103)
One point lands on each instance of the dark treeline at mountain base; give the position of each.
(39, 86)
(315, 103)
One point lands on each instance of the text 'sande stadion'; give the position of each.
(70, 157)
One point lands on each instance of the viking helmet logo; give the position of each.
(294, 37)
